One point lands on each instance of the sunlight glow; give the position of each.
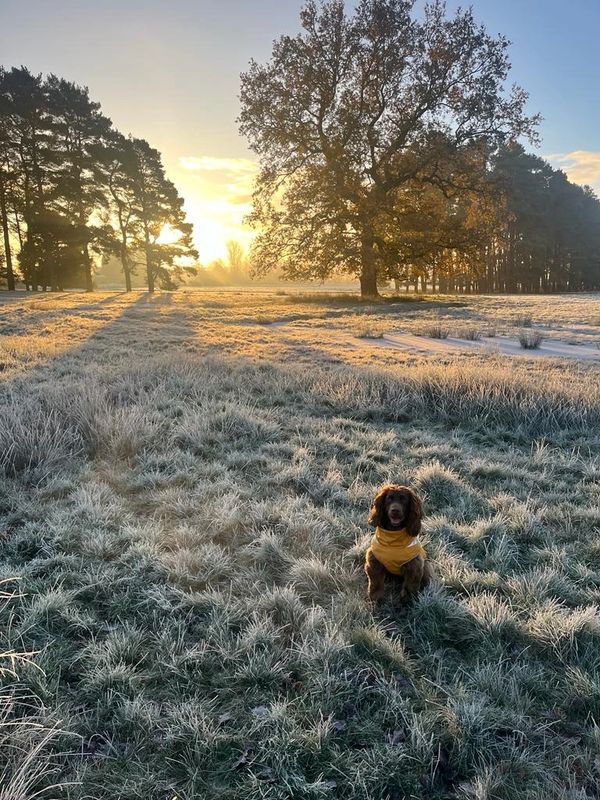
(218, 195)
(168, 235)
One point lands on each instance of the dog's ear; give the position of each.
(376, 512)
(414, 514)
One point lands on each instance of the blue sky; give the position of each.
(169, 72)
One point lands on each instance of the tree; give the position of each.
(120, 166)
(30, 154)
(550, 236)
(236, 261)
(4, 221)
(159, 207)
(7, 158)
(72, 186)
(80, 131)
(352, 110)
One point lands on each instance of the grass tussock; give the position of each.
(189, 533)
(435, 330)
(523, 321)
(367, 331)
(470, 334)
(530, 340)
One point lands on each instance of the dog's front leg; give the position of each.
(376, 575)
(412, 577)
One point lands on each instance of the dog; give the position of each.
(395, 548)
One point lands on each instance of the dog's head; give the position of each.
(396, 507)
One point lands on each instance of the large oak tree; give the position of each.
(358, 108)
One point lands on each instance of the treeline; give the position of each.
(72, 189)
(536, 232)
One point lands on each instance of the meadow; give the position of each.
(185, 484)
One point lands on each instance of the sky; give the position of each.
(169, 72)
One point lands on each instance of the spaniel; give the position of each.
(395, 548)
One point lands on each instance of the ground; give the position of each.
(183, 519)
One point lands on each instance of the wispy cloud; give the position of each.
(581, 166)
(233, 166)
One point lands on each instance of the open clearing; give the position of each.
(183, 517)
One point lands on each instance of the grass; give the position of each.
(348, 298)
(470, 334)
(434, 331)
(28, 765)
(523, 321)
(368, 331)
(188, 524)
(530, 340)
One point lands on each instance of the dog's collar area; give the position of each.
(397, 538)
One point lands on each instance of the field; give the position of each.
(186, 480)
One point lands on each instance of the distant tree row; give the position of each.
(72, 187)
(387, 148)
(532, 231)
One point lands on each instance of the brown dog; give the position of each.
(395, 548)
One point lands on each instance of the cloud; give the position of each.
(581, 166)
(235, 166)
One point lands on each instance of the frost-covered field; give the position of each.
(186, 481)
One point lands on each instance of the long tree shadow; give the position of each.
(144, 327)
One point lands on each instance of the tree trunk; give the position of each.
(125, 265)
(149, 268)
(150, 276)
(10, 277)
(87, 265)
(368, 275)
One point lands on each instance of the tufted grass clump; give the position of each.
(435, 330)
(470, 334)
(368, 331)
(530, 340)
(523, 321)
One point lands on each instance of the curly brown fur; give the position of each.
(397, 507)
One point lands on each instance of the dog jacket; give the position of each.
(394, 549)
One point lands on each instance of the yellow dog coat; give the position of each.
(394, 549)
